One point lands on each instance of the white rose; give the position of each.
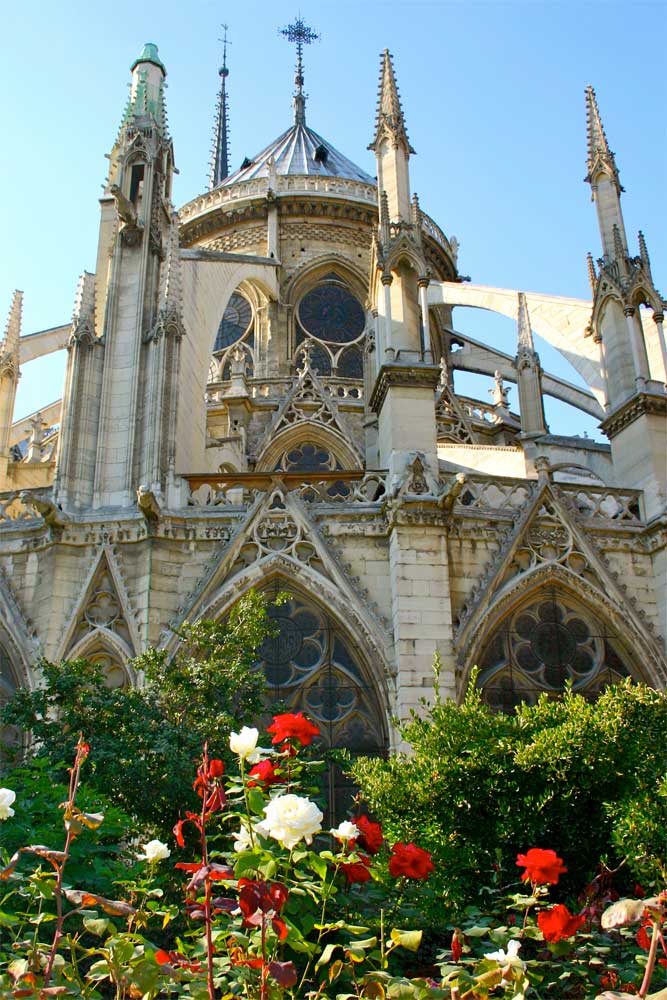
(345, 831)
(289, 819)
(154, 850)
(7, 797)
(244, 744)
(508, 957)
(242, 841)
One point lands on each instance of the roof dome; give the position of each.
(300, 150)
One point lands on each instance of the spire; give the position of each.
(9, 345)
(524, 332)
(600, 157)
(220, 152)
(300, 33)
(170, 284)
(146, 98)
(389, 120)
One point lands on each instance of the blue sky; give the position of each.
(493, 95)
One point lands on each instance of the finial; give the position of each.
(592, 276)
(9, 345)
(600, 157)
(389, 119)
(524, 331)
(220, 151)
(643, 252)
(620, 252)
(300, 33)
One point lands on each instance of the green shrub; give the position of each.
(589, 779)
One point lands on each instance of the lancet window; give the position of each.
(332, 321)
(8, 734)
(545, 644)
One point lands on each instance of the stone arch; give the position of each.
(14, 674)
(106, 648)
(637, 651)
(307, 432)
(317, 269)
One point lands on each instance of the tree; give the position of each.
(146, 739)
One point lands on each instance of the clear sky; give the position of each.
(493, 95)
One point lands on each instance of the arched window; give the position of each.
(332, 320)
(308, 457)
(9, 736)
(312, 666)
(545, 643)
(237, 329)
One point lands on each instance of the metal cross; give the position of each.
(300, 33)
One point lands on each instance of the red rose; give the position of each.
(264, 773)
(411, 861)
(558, 923)
(541, 866)
(457, 945)
(293, 726)
(216, 768)
(370, 834)
(260, 901)
(357, 871)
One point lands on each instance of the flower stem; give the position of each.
(650, 961)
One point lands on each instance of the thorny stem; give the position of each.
(75, 771)
(325, 900)
(265, 969)
(650, 961)
(207, 881)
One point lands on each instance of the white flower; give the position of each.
(7, 797)
(242, 841)
(244, 744)
(505, 957)
(289, 819)
(345, 831)
(154, 850)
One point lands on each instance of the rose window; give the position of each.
(308, 457)
(331, 319)
(543, 646)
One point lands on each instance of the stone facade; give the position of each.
(260, 393)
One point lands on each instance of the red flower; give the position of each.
(216, 768)
(541, 866)
(370, 834)
(357, 871)
(643, 939)
(411, 861)
(293, 726)
(457, 945)
(558, 923)
(265, 773)
(259, 901)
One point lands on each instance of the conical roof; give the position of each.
(300, 150)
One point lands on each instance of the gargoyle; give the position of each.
(53, 515)
(148, 504)
(127, 213)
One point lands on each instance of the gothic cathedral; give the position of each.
(260, 393)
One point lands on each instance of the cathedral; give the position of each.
(261, 393)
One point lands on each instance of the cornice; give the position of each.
(632, 409)
(419, 376)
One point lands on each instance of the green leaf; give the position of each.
(410, 940)
(326, 956)
(256, 801)
(96, 925)
(318, 864)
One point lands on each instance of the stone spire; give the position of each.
(9, 345)
(146, 100)
(600, 157)
(524, 331)
(83, 318)
(389, 121)
(529, 376)
(220, 152)
(300, 33)
(170, 283)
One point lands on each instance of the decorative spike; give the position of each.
(384, 218)
(416, 213)
(220, 151)
(147, 98)
(643, 252)
(524, 331)
(84, 304)
(9, 346)
(600, 157)
(300, 33)
(389, 118)
(592, 275)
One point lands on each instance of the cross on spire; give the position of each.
(300, 33)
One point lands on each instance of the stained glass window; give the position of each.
(306, 457)
(235, 322)
(544, 645)
(331, 313)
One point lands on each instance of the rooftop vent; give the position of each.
(246, 163)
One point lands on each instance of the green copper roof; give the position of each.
(149, 54)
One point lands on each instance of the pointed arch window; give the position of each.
(312, 666)
(9, 735)
(236, 331)
(547, 642)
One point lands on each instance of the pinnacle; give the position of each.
(599, 153)
(84, 304)
(9, 344)
(524, 333)
(389, 117)
(170, 292)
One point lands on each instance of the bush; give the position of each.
(146, 739)
(589, 777)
